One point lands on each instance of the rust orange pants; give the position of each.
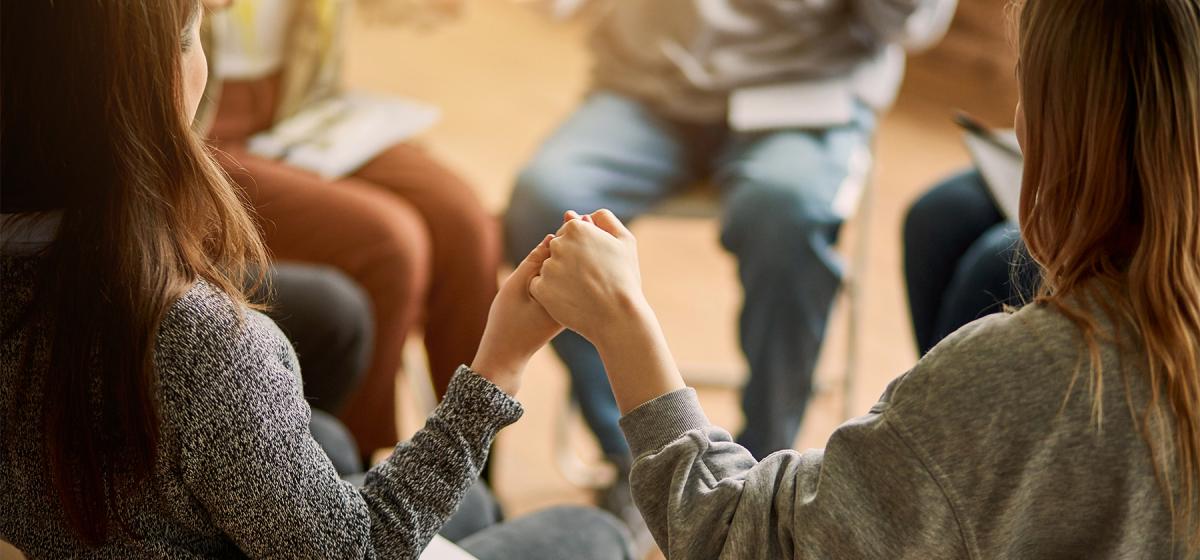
(406, 229)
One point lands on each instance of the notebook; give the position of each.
(335, 137)
(997, 156)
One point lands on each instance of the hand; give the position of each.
(517, 326)
(591, 283)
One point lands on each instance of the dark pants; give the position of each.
(962, 259)
(327, 318)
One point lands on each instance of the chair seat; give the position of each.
(699, 201)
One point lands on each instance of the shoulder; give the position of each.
(206, 340)
(1000, 359)
(1034, 335)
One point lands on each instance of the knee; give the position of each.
(395, 257)
(776, 218)
(541, 194)
(595, 529)
(347, 315)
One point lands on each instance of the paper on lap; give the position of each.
(1001, 169)
(335, 137)
(441, 549)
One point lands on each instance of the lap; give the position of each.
(790, 185)
(307, 218)
(613, 150)
(806, 167)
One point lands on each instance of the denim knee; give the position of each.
(539, 199)
(776, 223)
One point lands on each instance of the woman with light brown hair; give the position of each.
(1067, 429)
(146, 409)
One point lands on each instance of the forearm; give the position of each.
(639, 362)
(419, 486)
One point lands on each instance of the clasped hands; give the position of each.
(584, 278)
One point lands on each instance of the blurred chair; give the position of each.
(853, 203)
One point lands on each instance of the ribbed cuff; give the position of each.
(654, 424)
(473, 397)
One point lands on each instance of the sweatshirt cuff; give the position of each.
(486, 407)
(656, 423)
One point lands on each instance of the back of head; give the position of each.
(1110, 92)
(93, 129)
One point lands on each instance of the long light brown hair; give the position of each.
(94, 128)
(1111, 200)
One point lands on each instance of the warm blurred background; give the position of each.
(505, 73)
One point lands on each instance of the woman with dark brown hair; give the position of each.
(148, 410)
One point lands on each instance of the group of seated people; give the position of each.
(201, 343)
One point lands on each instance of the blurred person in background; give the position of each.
(963, 259)
(770, 101)
(407, 230)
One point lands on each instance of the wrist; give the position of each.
(634, 324)
(503, 373)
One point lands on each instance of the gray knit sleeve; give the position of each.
(236, 419)
(414, 492)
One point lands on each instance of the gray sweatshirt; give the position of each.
(971, 454)
(238, 474)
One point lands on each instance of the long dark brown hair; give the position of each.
(1111, 200)
(93, 127)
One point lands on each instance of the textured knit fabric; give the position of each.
(684, 57)
(238, 473)
(972, 454)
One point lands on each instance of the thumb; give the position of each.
(608, 222)
(532, 264)
(536, 288)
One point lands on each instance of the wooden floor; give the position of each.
(504, 75)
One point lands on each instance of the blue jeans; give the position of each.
(777, 191)
(962, 259)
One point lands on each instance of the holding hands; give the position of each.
(585, 278)
(591, 283)
(517, 326)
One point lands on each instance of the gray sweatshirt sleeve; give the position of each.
(704, 497)
(240, 422)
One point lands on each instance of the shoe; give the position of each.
(617, 499)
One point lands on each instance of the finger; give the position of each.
(536, 288)
(570, 215)
(532, 264)
(608, 222)
(568, 227)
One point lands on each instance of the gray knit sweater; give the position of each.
(238, 473)
(975, 453)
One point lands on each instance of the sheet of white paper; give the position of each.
(335, 137)
(794, 105)
(441, 549)
(1001, 170)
